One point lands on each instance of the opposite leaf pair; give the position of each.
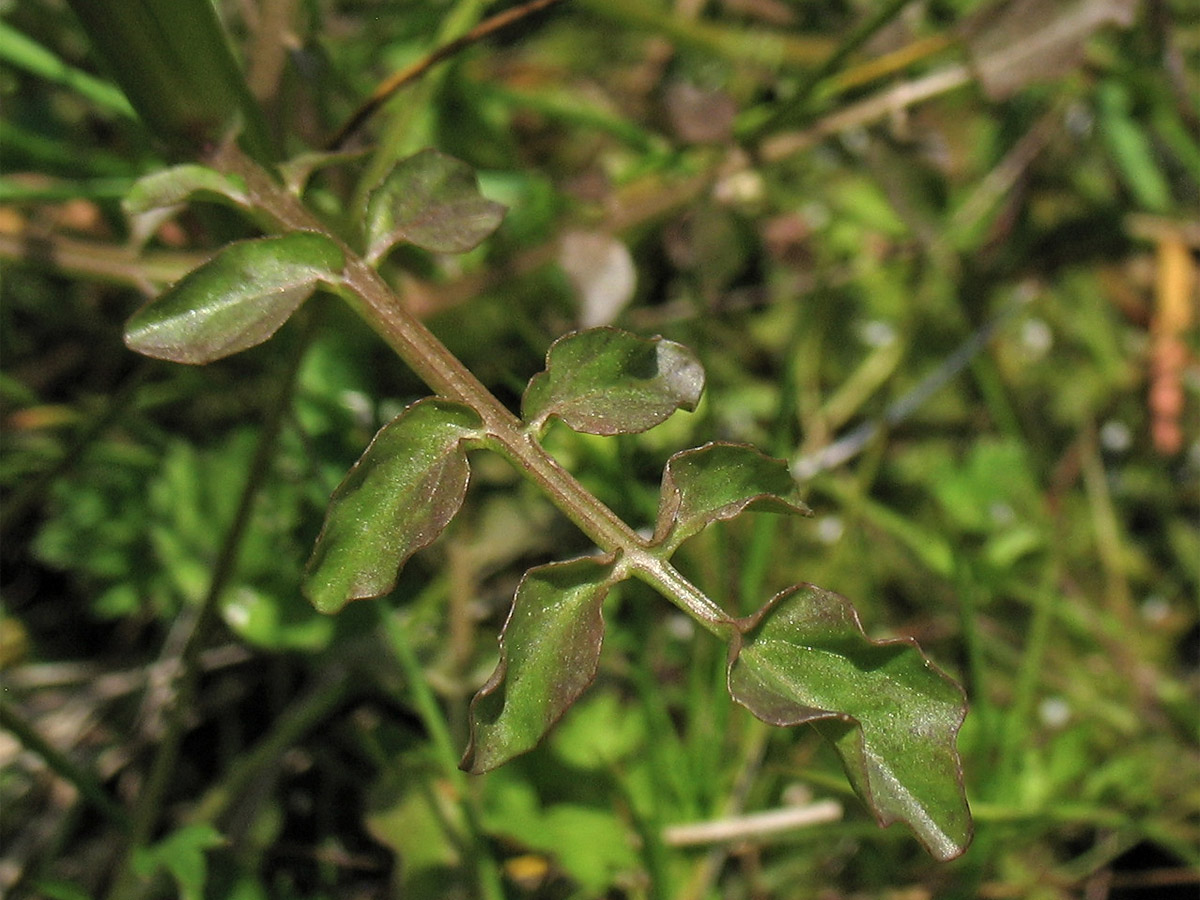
(891, 715)
(244, 294)
(411, 480)
(803, 658)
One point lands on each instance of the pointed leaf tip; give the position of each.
(430, 200)
(609, 381)
(549, 652)
(892, 716)
(236, 300)
(721, 481)
(396, 499)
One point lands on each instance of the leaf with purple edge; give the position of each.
(396, 499)
(721, 481)
(430, 200)
(161, 195)
(608, 381)
(549, 652)
(236, 300)
(890, 713)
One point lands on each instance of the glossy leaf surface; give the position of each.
(549, 652)
(608, 381)
(430, 200)
(396, 499)
(721, 481)
(159, 196)
(892, 716)
(236, 300)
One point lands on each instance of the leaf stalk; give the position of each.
(441, 370)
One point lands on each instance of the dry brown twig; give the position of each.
(390, 86)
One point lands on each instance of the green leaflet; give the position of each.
(1131, 149)
(721, 481)
(608, 381)
(549, 652)
(430, 200)
(183, 854)
(396, 499)
(236, 300)
(297, 171)
(892, 716)
(159, 196)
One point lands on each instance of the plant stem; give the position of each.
(173, 61)
(442, 371)
(411, 73)
(97, 261)
(402, 128)
(24, 53)
(26, 496)
(760, 46)
(330, 690)
(1019, 719)
(787, 113)
(149, 805)
(434, 720)
(87, 785)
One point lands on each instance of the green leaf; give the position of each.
(22, 52)
(236, 300)
(297, 171)
(175, 63)
(161, 195)
(892, 716)
(410, 815)
(430, 200)
(1131, 148)
(592, 846)
(600, 731)
(182, 854)
(721, 481)
(608, 381)
(61, 890)
(275, 622)
(395, 500)
(549, 652)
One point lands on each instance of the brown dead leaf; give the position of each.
(1016, 43)
(699, 116)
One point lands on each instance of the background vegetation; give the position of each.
(940, 256)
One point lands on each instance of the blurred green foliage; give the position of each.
(1020, 521)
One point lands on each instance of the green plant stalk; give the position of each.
(977, 676)
(434, 720)
(62, 190)
(664, 745)
(372, 298)
(755, 735)
(26, 496)
(398, 134)
(559, 107)
(773, 49)
(148, 809)
(761, 549)
(98, 261)
(175, 65)
(649, 829)
(18, 50)
(298, 719)
(793, 110)
(1018, 721)
(46, 153)
(83, 780)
